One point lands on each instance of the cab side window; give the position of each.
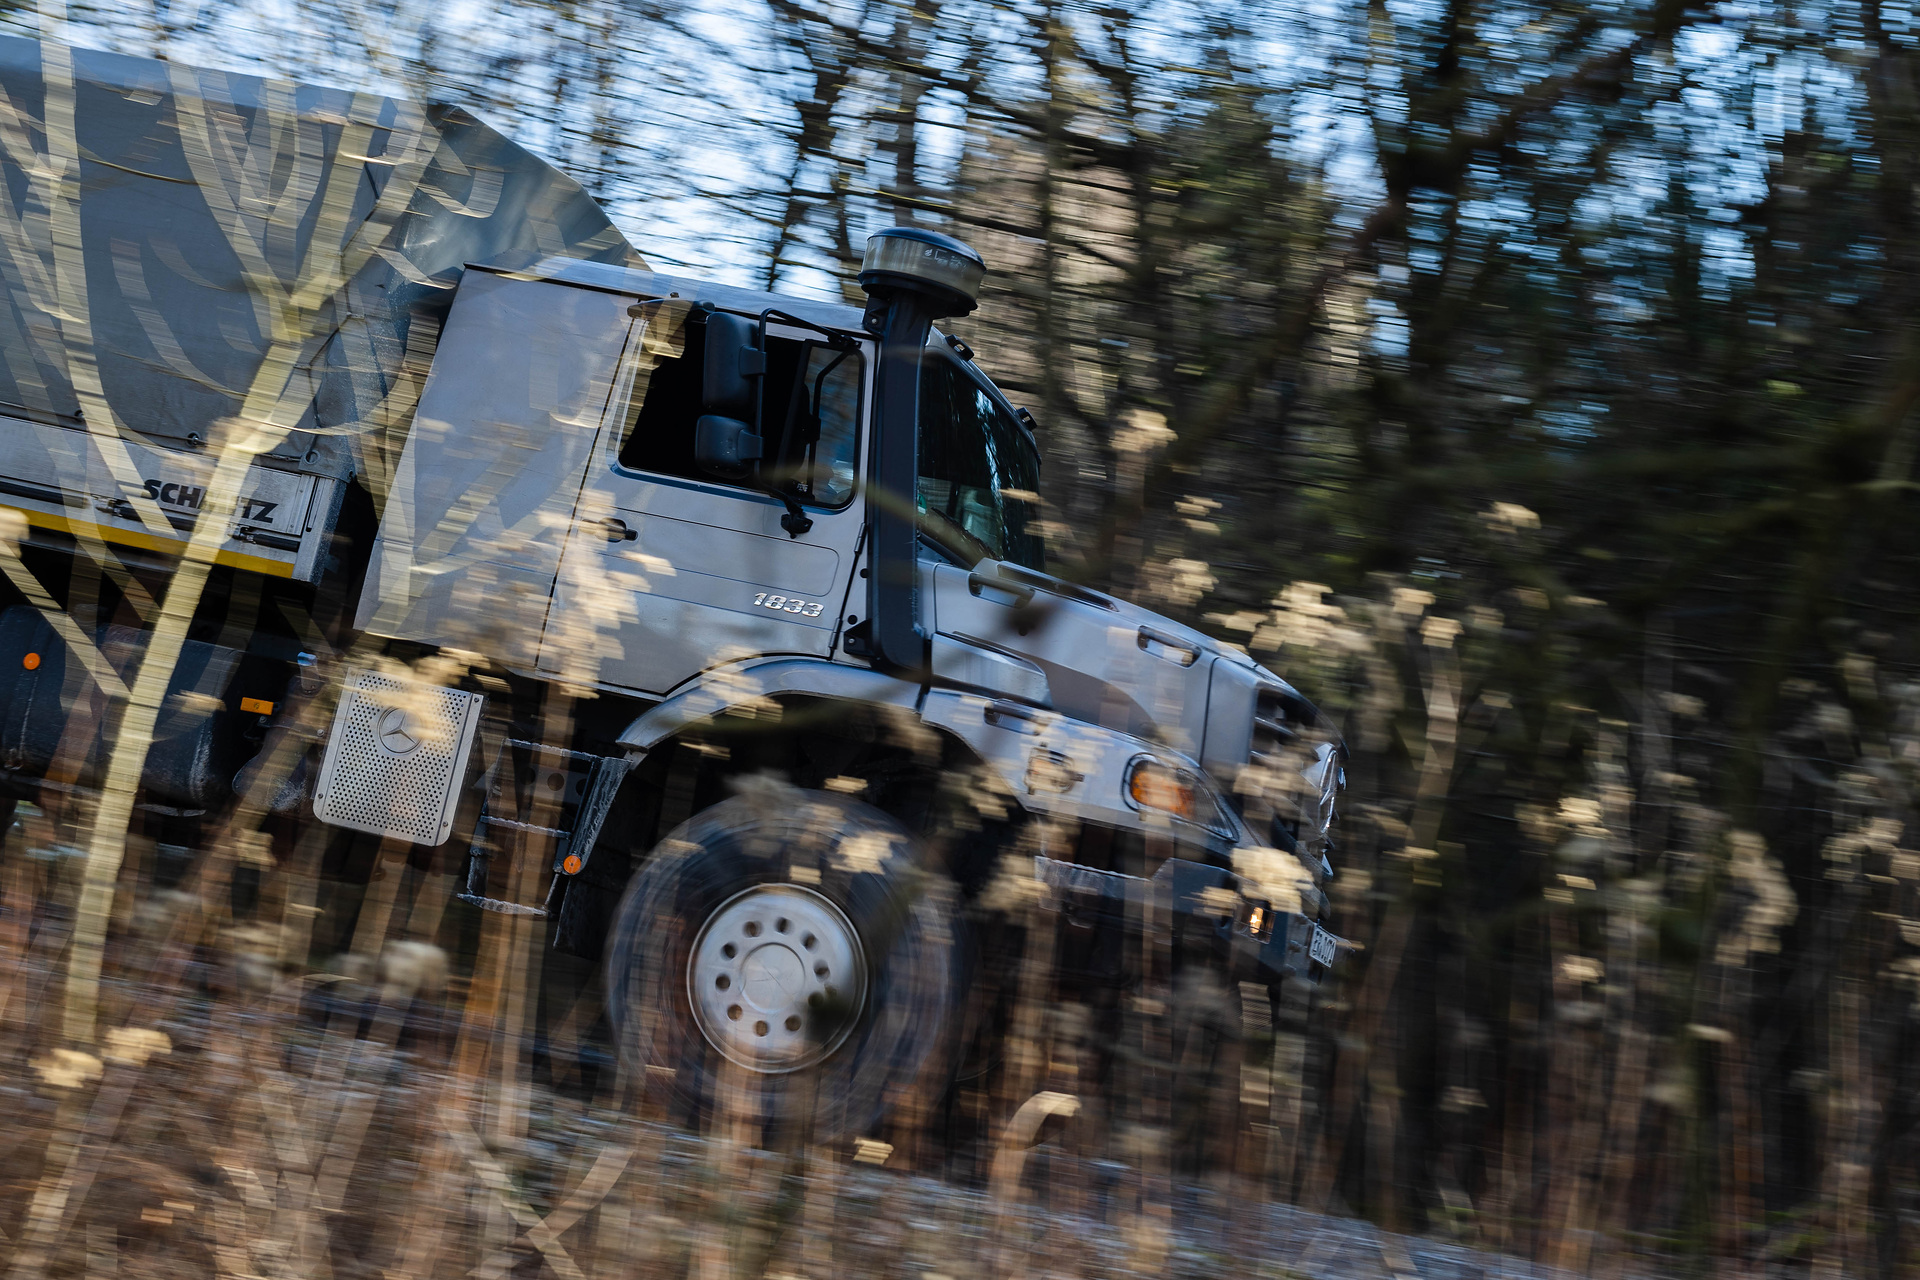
(665, 354)
(810, 413)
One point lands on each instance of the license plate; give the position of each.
(1322, 947)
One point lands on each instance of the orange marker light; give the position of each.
(31, 662)
(260, 705)
(1154, 786)
(571, 864)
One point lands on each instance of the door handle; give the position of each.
(978, 582)
(617, 531)
(1172, 648)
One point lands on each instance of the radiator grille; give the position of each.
(1276, 723)
(1287, 739)
(387, 773)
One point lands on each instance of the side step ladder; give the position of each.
(530, 780)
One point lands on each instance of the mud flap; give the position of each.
(199, 740)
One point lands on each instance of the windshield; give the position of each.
(979, 473)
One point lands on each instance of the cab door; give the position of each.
(476, 515)
(667, 571)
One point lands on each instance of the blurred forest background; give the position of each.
(1531, 383)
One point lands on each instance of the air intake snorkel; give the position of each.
(942, 270)
(912, 278)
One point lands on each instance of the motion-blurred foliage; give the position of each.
(1572, 347)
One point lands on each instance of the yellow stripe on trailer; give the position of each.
(150, 542)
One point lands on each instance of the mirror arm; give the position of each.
(796, 521)
(753, 364)
(835, 339)
(813, 402)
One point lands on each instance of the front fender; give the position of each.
(1056, 765)
(725, 688)
(1050, 763)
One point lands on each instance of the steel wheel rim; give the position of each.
(777, 978)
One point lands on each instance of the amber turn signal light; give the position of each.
(1154, 786)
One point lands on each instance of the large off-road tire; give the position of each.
(785, 959)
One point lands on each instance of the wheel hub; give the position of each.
(777, 978)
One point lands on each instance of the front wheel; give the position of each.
(784, 958)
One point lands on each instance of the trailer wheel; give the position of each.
(785, 959)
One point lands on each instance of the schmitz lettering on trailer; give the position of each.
(190, 497)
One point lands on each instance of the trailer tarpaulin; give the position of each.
(182, 248)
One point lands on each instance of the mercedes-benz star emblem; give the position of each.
(394, 731)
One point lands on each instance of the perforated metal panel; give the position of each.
(396, 759)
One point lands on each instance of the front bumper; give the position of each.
(1262, 944)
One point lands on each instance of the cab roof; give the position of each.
(654, 284)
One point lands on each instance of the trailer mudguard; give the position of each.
(52, 719)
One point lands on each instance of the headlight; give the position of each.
(1154, 784)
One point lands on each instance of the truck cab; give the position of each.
(756, 537)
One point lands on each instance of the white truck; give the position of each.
(757, 684)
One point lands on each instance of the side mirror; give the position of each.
(725, 447)
(732, 361)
